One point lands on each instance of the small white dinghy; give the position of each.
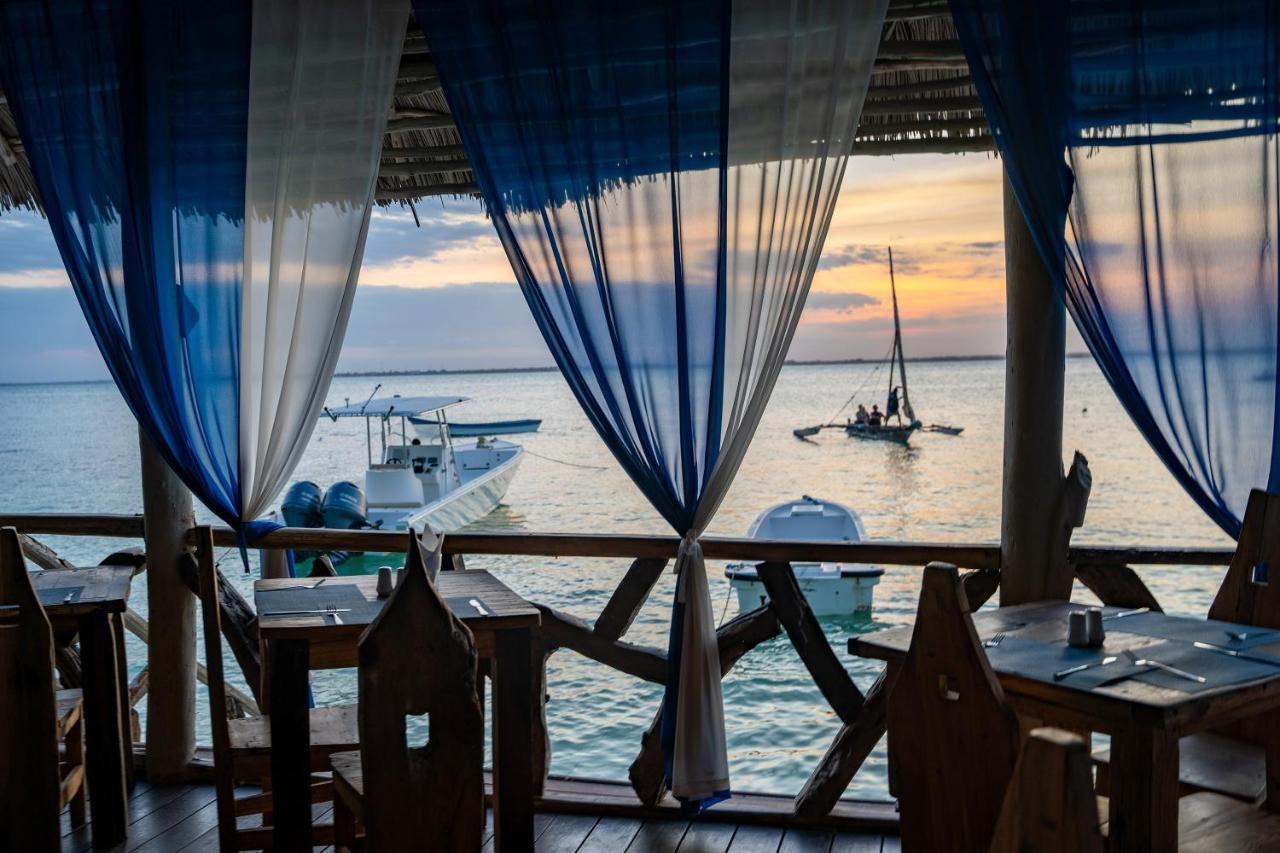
(832, 589)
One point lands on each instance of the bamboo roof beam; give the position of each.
(920, 50)
(425, 120)
(417, 152)
(886, 91)
(411, 193)
(419, 168)
(901, 106)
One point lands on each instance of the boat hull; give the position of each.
(896, 434)
(839, 593)
(474, 499)
(477, 429)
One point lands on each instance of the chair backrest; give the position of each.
(30, 786)
(1250, 592)
(1050, 805)
(223, 771)
(953, 740)
(418, 658)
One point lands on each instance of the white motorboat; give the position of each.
(832, 589)
(420, 478)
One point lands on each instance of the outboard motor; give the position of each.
(302, 505)
(344, 507)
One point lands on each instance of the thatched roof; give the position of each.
(920, 100)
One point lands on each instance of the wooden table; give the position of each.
(1144, 721)
(97, 617)
(293, 645)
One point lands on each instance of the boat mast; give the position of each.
(904, 405)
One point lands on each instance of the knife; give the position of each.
(1061, 674)
(1124, 613)
(1236, 654)
(306, 612)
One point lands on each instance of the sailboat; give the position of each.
(899, 420)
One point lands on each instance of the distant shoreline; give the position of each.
(455, 371)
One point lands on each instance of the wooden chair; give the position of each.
(1233, 762)
(953, 740)
(35, 718)
(416, 658)
(1050, 808)
(242, 748)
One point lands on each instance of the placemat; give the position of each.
(1190, 630)
(1035, 659)
(58, 595)
(1219, 670)
(463, 608)
(343, 596)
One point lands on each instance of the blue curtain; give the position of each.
(661, 176)
(134, 118)
(1140, 140)
(207, 170)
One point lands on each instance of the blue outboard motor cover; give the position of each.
(344, 507)
(302, 505)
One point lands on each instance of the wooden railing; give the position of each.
(1107, 571)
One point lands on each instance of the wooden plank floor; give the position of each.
(166, 819)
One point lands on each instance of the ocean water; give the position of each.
(73, 448)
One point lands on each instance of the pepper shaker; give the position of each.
(385, 581)
(1077, 629)
(1093, 626)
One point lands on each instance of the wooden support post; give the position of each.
(171, 653)
(1033, 396)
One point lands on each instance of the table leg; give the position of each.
(1144, 791)
(513, 742)
(290, 745)
(104, 729)
(1271, 738)
(126, 727)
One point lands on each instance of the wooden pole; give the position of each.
(1032, 569)
(171, 612)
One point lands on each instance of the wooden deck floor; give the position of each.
(164, 819)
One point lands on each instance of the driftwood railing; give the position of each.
(1107, 571)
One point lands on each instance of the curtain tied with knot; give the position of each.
(661, 177)
(1140, 140)
(208, 173)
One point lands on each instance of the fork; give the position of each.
(1181, 673)
(333, 611)
(994, 641)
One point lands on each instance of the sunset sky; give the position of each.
(443, 296)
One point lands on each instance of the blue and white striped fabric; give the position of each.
(208, 172)
(661, 176)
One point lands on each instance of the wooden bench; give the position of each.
(242, 748)
(1233, 762)
(36, 783)
(953, 740)
(416, 658)
(1050, 808)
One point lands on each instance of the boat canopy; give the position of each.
(385, 407)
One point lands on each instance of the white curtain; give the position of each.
(322, 75)
(797, 84)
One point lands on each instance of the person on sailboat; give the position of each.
(875, 418)
(891, 408)
(861, 416)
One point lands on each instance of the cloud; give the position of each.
(451, 226)
(840, 303)
(450, 327)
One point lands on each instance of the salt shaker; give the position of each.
(385, 581)
(1093, 626)
(1077, 629)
